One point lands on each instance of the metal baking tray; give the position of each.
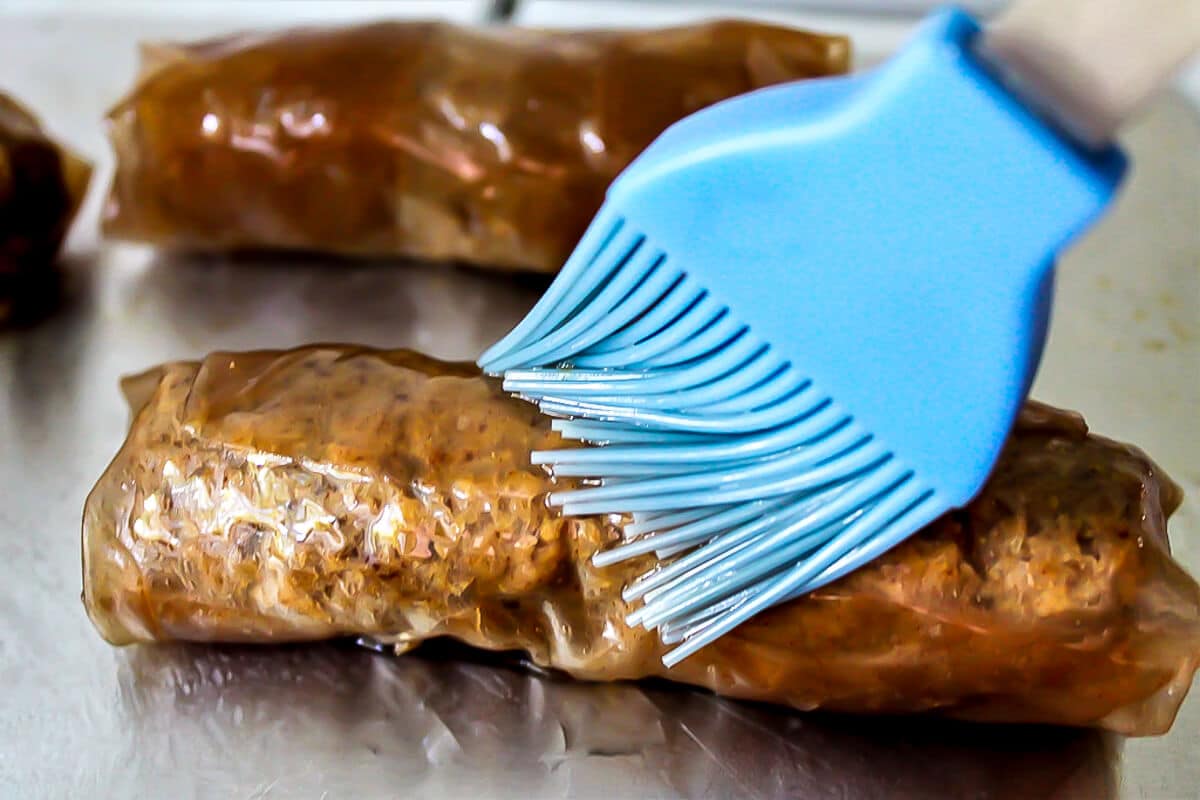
(81, 719)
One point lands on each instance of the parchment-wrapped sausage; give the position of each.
(491, 146)
(41, 187)
(336, 491)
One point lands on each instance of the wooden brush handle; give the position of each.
(1092, 63)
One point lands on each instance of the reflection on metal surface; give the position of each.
(438, 718)
(278, 301)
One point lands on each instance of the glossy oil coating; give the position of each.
(491, 146)
(41, 187)
(338, 491)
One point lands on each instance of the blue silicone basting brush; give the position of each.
(804, 320)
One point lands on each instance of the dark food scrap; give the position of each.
(41, 187)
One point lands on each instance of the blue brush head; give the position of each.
(802, 325)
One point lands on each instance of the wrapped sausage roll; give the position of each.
(41, 187)
(490, 146)
(336, 491)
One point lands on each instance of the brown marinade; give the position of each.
(338, 491)
(492, 146)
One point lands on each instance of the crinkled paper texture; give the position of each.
(489, 146)
(337, 491)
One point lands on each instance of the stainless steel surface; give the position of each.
(78, 718)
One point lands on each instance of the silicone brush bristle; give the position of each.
(758, 487)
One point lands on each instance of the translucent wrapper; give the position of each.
(41, 186)
(336, 491)
(491, 146)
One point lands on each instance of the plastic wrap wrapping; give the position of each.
(491, 146)
(337, 491)
(41, 187)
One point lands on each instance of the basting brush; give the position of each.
(803, 322)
